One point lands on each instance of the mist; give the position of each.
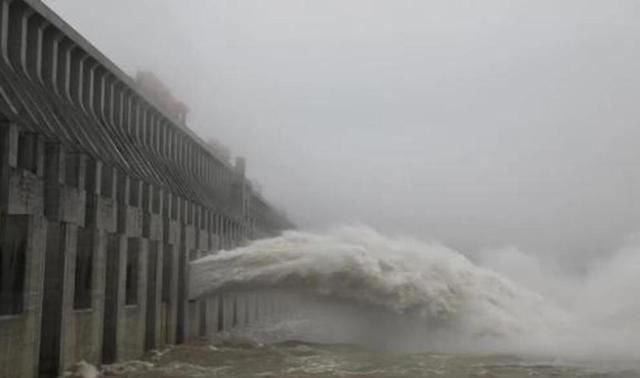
(353, 285)
(481, 124)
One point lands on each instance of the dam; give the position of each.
(105, 197)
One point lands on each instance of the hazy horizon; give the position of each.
(480, 124)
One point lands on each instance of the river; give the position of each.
(356, 303)
(300, 360)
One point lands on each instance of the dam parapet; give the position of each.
(104, 199)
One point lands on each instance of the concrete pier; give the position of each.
(233, 311)
(104, 198)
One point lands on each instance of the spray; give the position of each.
(425, 296)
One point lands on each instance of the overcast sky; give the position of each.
(479, 123)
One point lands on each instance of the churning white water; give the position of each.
(438, 298)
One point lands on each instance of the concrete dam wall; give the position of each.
(104, 198)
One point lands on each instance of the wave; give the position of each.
(434, 292)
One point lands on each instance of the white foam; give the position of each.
(469, 306)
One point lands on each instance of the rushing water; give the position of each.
(376, 306)
(300, 360)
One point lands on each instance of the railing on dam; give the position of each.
(104, 198)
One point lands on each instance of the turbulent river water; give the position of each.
(369, 305)
(301, 360)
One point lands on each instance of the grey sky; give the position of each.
(476, 122)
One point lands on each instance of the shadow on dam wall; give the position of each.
(104, 197)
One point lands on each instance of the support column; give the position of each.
(185, 252)
(198, 308)
(23, 233)
(152, 230)
(57, 305)
(229, 308)
(212, 318)
(171, 238)
(214, 245)
(24, 237)
(99, 236)
(67, 202)
(72, 313)
(134, 274)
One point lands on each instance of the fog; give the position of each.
(482, 124)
